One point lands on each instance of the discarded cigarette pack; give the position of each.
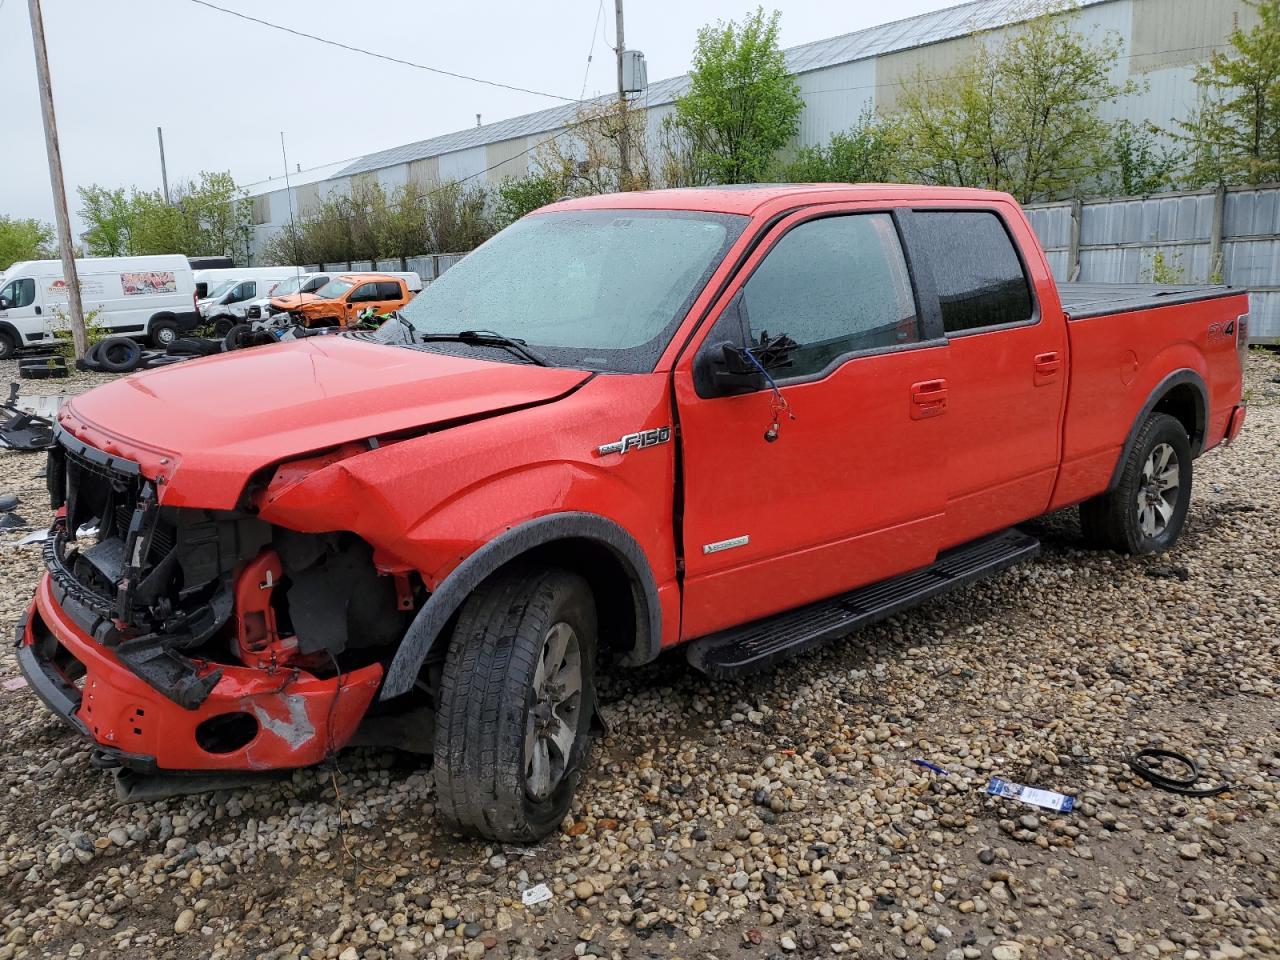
(1040, 798)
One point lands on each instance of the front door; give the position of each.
(850, 489)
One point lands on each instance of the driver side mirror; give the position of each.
(730, 362)
(5, 304)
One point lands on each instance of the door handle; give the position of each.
(928, 399)
(1047, 367)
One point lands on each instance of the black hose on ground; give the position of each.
(1141, 764)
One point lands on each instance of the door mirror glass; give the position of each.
(4, 303)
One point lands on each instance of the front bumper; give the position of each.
(252, 719)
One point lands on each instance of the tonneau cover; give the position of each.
(1083, 300)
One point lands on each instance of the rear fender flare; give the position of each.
(428, 626)
(1175, 379)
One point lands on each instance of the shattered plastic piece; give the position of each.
(1036, 797)
(540, 893)
(11, 521)
(35, 536)
(929, 766)
(14, 683)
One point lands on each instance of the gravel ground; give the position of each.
(780, 815)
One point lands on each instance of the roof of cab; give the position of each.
(750, 197)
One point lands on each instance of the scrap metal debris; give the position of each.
(24, 430)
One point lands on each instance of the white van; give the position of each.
(232, 306)
(206, 280)
(141, 296)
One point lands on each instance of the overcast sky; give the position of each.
(224, 89)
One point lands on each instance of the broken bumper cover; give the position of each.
(252, 719)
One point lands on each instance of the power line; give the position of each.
(595, 30)
(379, 56)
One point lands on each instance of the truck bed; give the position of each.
(1084, 300)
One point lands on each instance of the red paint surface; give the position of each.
(302, 718)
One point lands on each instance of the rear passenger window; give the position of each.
(979, 277)
(389, 290)
(835, 286)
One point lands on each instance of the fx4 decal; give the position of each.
(636, 441)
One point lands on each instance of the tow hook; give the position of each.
(101, 760)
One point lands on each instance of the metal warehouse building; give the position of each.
(842, 77)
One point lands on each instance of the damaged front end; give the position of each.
(183, 639)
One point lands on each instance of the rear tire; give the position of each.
(513, 727)
(1146, 511)
(8, 346)
(163, 333)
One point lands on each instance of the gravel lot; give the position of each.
(776, 816)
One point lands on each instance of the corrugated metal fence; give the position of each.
(428, 266)
(1197, 236)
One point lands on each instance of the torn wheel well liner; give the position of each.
(597, 547)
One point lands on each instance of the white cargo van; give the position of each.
(140, 296)
(232, 306)
(206, 280)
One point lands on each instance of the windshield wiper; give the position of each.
(486, 338)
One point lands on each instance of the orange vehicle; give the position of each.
(337, 303)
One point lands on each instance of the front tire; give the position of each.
(516, 701)
(8, 346)
(1146, 511)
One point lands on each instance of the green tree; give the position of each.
(742, 105)
(1141, 162)
(1233, 135)
(206, 217)
(1021, 115)
(109, 217)
(868, 152)
(520, 195)
(24, 239)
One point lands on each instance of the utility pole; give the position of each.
(164, 173)
(78, 338)
(624, 167)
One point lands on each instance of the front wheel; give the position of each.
(1146, 511)
(516, 701)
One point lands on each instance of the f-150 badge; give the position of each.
(636, 441)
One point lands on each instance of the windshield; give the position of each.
(221, 287)
(602, 289)
(334, 289)
(286, 287)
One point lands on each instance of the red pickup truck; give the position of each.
(741, 420)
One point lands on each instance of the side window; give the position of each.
(246, 290)
(20, 293)
(835, 286)
(389, 290)
(363, 293)
(979, 277)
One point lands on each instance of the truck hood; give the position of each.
(291, 301)
(206, 426)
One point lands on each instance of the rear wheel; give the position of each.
(516, 700)
(163, 333)
(8, 346)
(1146, 511)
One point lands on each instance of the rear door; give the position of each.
(1008, 368)
(851, 488)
